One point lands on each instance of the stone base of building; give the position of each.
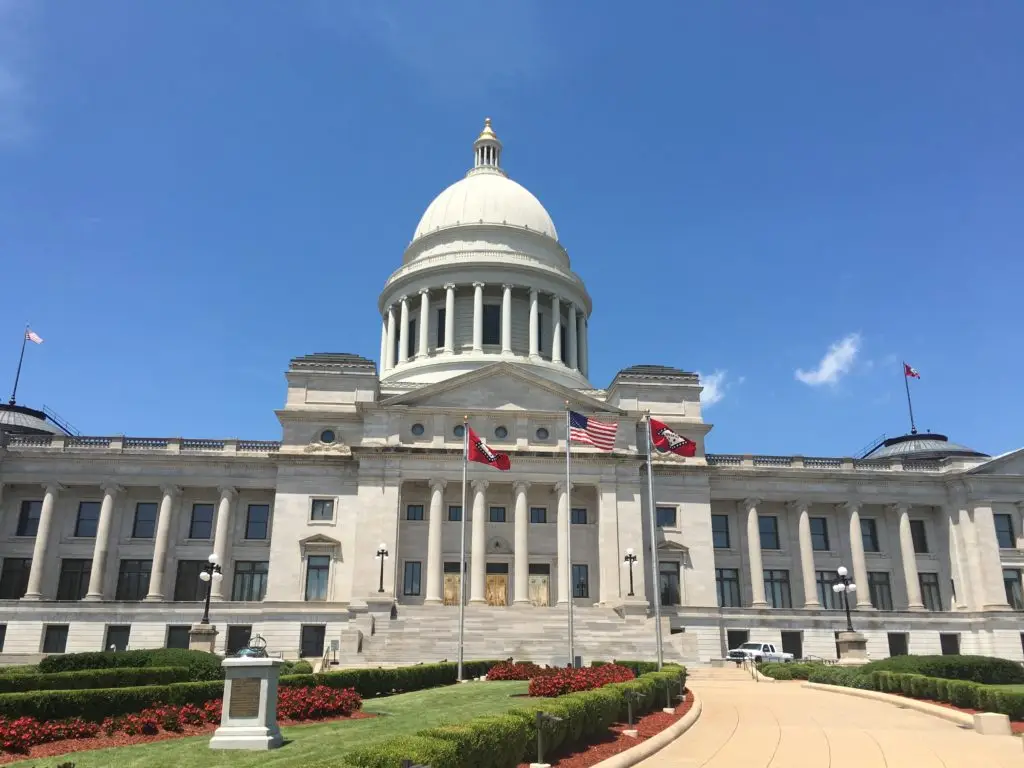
(852, 648)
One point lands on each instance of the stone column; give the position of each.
(506, 319)
(449, 318)
(556, 330)
(570, 333)
(424, 323)
(754, 555)
(534, 325)
(222, 540)
(860, 566)
(802, 508)
(164, 526)
(990, 566)
(478, 317)
(39, 551)
(435, 566)
(909, 558)
(383, 343)
(584, 352)
(403, 331)
(478, 550)
(102, 546)
(389, 359)
(562, 537)
(521, 594)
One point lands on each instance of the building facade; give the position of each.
(103, 539)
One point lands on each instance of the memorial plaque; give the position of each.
(245, 697)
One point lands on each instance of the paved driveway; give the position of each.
(745, 724)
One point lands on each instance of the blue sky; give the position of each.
(192, 193)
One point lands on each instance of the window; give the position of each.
(312, 641)
(144, 526)
(880, 589)
(720, 531)
(201, 524)
(410, 346)
(441, 316)
(1012, 585)
(322, 510)
(869, 534)
(257, 521)
(455, 514)
(414, 512)
(898, 644)
(133, 579)
(88, 519)
(776, 588)
(14, 577)
(239, 636)
(318, 567)
(727, 581)
(55, 638)
(668, 583)
(538, 515)
(492, 324)
(580, 581)
(188, 586)
(919, 537)
(819, 534)
(28, 518)
(930, 594)
(949, 643)
(459, 431)
(768, 527)
(250, 581)
(3, 636)
(411, 579)
(501, 432)
(827, 598)
(327, 436)
(497, 514)
(1004, 532)
(74, 579)
(578, 516)
(177, 636)
(542, 433)
(117, 637)
(665, 517)
(417, 429)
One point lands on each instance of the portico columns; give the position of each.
(562, 537)
(163, 537)
(424, 323)
(909, 558)
(556, 330)
(478, 317)
(102, 545)
(403, 331)
(534, 324)
(506, 319)
(860, 567)
(574, 360)
(222, 540)
(449, 318)
(35, 574)
(754, 555)
(384, 343)
(434, 551)
(478, 550)
(806, 555)
(521, 565)
(584, 359)
(389, 357)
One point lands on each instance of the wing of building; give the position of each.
(103, 539)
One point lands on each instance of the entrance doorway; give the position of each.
(734, 638)
(540, 585)
(496, 588)
(452, 584)
(793, 642)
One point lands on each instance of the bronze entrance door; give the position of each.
(540, 584)
(496, 586)
(452, 585)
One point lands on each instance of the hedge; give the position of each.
(95, 678)
(978, 669)
(201, 665)
(369, 682)
(787, 671)
(505, 741)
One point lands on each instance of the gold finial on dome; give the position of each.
(487, 148)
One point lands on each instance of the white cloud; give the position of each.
(14, 95)
(714, 387)
(836, 363)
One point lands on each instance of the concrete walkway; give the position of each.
(745, 724)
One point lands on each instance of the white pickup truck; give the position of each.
(758, 652)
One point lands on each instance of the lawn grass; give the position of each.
(1016, 688)
(317, 744)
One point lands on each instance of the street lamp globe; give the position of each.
(204, 576)
(629, 551)
(852, 587)
(213, 558)
(837, 588)
(842, 570)
(217, 576)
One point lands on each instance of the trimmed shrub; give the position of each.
(94, 678)
(437, 753)
(486, 742)
(977, 669)
(788, 671)
(300, 667)
(94, 705)
(201, 665)
(638, 667)
(369, 682)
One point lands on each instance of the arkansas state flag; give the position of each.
(910, 373)
(665, 439)
(480, 452)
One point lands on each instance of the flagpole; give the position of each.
(910, 407)
(17, 375)
(654, 544)
(462, 546)
(568, 531)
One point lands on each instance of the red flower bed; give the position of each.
(316, 703)
(569, 680)
(523, 670)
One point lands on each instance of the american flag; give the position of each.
(31, 335)
(591, 431)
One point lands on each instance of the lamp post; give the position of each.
(382, 554)
(845, 587)
(211, 572)
(629, 560)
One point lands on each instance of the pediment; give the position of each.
(319, 539)
(1011, 464)
(500, 387)
(673, 546)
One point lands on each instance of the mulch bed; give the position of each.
(68, 746)
(586, 755)
(1015, 725)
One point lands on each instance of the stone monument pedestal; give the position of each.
(202, 637)
(853, 649)
(632, 608)
(249, 717)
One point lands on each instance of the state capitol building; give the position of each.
(103, 539)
